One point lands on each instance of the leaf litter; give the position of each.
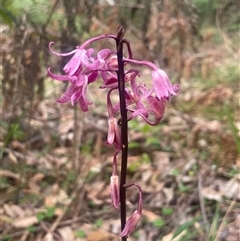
(188, 168)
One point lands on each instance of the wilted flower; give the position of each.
(135, 217)
(131, 224)
(114, 190)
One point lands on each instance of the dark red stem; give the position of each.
(124, 127)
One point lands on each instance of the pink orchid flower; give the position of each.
(114, 134)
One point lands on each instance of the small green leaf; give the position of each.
(146, 128)
(146, 158)
(152, 141)
(31, 229)
(184, 226)
(80, 234)
(158, 223)
(41, 216)
(183, 188)
(175, 172)
(133, 144)
(50, 212)
(134, 166)
(99, 223)
(167, 211)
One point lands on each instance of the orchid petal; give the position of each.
(61, 54)
(75, 62)
(56, 76)
(92, 77)
(157, 106)
(67, 94)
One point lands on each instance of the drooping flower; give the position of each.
(114, 134)
(114, 190)
(75, 94)
(132, 222)
(162, 86)
(142, 103)
(161, 83)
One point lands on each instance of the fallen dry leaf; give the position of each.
(56, 195)
(99, 235)
(34, 182)
(48, 237)
(7, 173)
(169, 237)
(14, 211)
(66, 233)
(25, 222)
(211, 194)
(151, 216)
(232, 188)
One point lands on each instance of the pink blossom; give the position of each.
(162, 86)
(81, 70)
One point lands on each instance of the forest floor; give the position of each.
(55, 184)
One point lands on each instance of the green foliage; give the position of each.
(99, 223)
(207, 10)
(91, 203)
(14, 132)
(215, 224)
(182, 187)
(146, 158)
(86, 149)
(5, 15)
(167, 211)
(80, 234)
(175, 172)
(37, 11)
(229, 113)
(6, 237)
(136, 234)
(50, 212)
(31, 229)
(158, 223)
(133, 166)
(186, 226)
(90, 176)
(233, 171)
(3, 182)
(152, 141)
(133, 145)
(69, 179)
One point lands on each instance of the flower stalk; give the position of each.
(124, 126)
